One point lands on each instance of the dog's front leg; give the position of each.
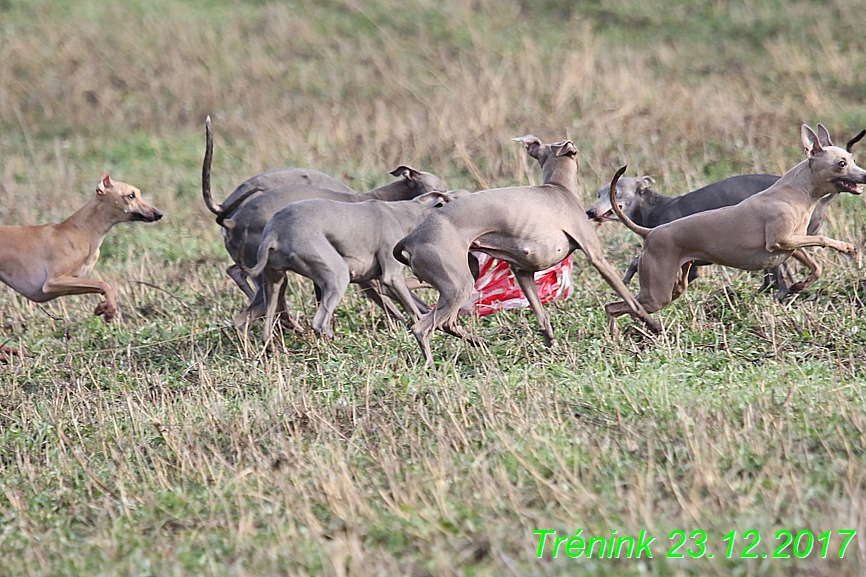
(802, 241)
(69, 285)
(526, 280)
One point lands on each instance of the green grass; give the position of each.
(167, 444)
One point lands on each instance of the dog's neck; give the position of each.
(95, 218)
(560, 171)
(801, 178)
(401, 189)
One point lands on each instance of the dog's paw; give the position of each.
(846, 247)
(6, 352)
(289, 322)
(107, 310)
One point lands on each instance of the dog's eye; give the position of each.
(842, 164)
(130, 196)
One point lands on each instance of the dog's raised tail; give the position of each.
(635, 228)
(205, 171)
(398, 252)
(269, 243)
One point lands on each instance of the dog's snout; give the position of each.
(157, 214)
(590, 213)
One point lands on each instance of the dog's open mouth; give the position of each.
(606, 217)
(847, 185)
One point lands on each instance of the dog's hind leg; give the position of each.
(596, 259)
(237, 275)
(273, 285)
(814, 275)
(682, 281)
(454, 283)
(333, 283)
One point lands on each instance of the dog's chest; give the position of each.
(88, 265)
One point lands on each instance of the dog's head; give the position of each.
(550, 157)
(833, 168)
(126, 199)
(629, 192)
(417, 181)
(543, 152)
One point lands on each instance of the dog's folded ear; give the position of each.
(811, 142)
(104, 183)
(644, 183)
(564, 148)
(406, 172)
(532, 144)
(437, 198)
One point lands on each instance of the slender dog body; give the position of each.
(334, 244)
(530, 227)
(47, 261)
(269, 180)
(647, 207)
(761, 232)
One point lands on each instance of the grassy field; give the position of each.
(163, 444)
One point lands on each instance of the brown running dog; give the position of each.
(47, 261)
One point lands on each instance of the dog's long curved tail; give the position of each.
(269, 243)
(205, 171)
(855, 140)
(398, 252)
(637, 229)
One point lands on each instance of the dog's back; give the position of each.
(727, 192)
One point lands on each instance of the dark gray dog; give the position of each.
(337, 243)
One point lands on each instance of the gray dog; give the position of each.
(337, 243)
(761, 232)
(530, 227)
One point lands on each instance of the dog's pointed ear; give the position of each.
(810, 141)
(644, 183)
(406, 172)
(564, 148)
(824, 136)
(532, 144)
(104, 183)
